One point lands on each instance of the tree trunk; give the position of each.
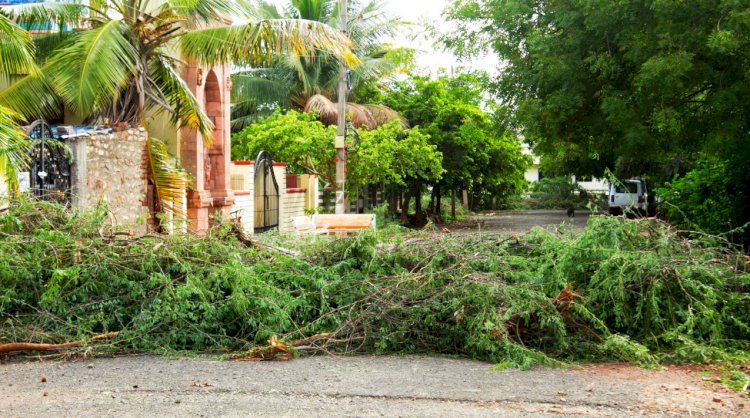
(405, 207)
(465, 196)
(431, 207)
(418, 197)
(453, 204)
(438, 208)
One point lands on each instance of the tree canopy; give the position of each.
(640, 87)
(479, 154)
(387, 155)
(636, 86)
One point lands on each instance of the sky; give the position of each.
(430, 59)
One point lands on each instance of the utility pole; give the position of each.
(341, 134)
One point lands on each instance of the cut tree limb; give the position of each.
(12, 347)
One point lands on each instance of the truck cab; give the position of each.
(629, 195)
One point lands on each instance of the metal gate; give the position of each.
(266, 194)
(49, 165)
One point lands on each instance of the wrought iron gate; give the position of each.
(266, 194)
(49, 165)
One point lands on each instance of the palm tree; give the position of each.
(305, 83)
(119, 60)
(16, 57)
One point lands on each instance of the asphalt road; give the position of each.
(520, 221)
(364, 386)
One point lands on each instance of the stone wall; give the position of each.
(112, 167)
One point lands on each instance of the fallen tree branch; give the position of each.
(24, 346)
(242, 237)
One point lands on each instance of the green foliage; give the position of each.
(12, 148)
(295, 138)
(478, 153)
(557, 193)
(388, 154)
(289, 82)
(628, 290)
(638, 87)
(392, 155)
(706, 198)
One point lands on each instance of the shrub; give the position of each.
(557, 193)
(707, 198)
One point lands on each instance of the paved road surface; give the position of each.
(350, 386)
(520, 221)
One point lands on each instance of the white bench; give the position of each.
(305, 225)
(333, 224)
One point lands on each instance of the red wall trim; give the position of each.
(244, 162)
(295, 190)
(238, 193)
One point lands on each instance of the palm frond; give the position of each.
(33, 97)
(94, 67)
(201, 11)
(46, 45)
(13, 144)
(48, 16)
(360, 116)
(327, 110)
(185, 108)
(258, 87)
(255, 43)
(384, 115)
(170, 180)
(16, 49)
(368, 116)
(260, 10)
(244, 115)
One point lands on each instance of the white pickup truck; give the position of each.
(630, 194)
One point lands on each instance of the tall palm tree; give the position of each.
(119, 60)
(307, 83)
(16, 57)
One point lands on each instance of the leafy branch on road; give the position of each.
(632, 290)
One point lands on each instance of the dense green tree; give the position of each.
(641, 87)
(295, 138)
(388, 155)
(393, 156)
(479, 155)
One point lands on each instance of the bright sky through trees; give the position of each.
(420, 12)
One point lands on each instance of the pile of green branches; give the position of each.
(633, 290)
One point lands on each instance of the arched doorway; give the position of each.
(211, 190)
(266, 194)
(214, 162)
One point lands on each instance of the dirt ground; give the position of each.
(364, 386)
(519, 221)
